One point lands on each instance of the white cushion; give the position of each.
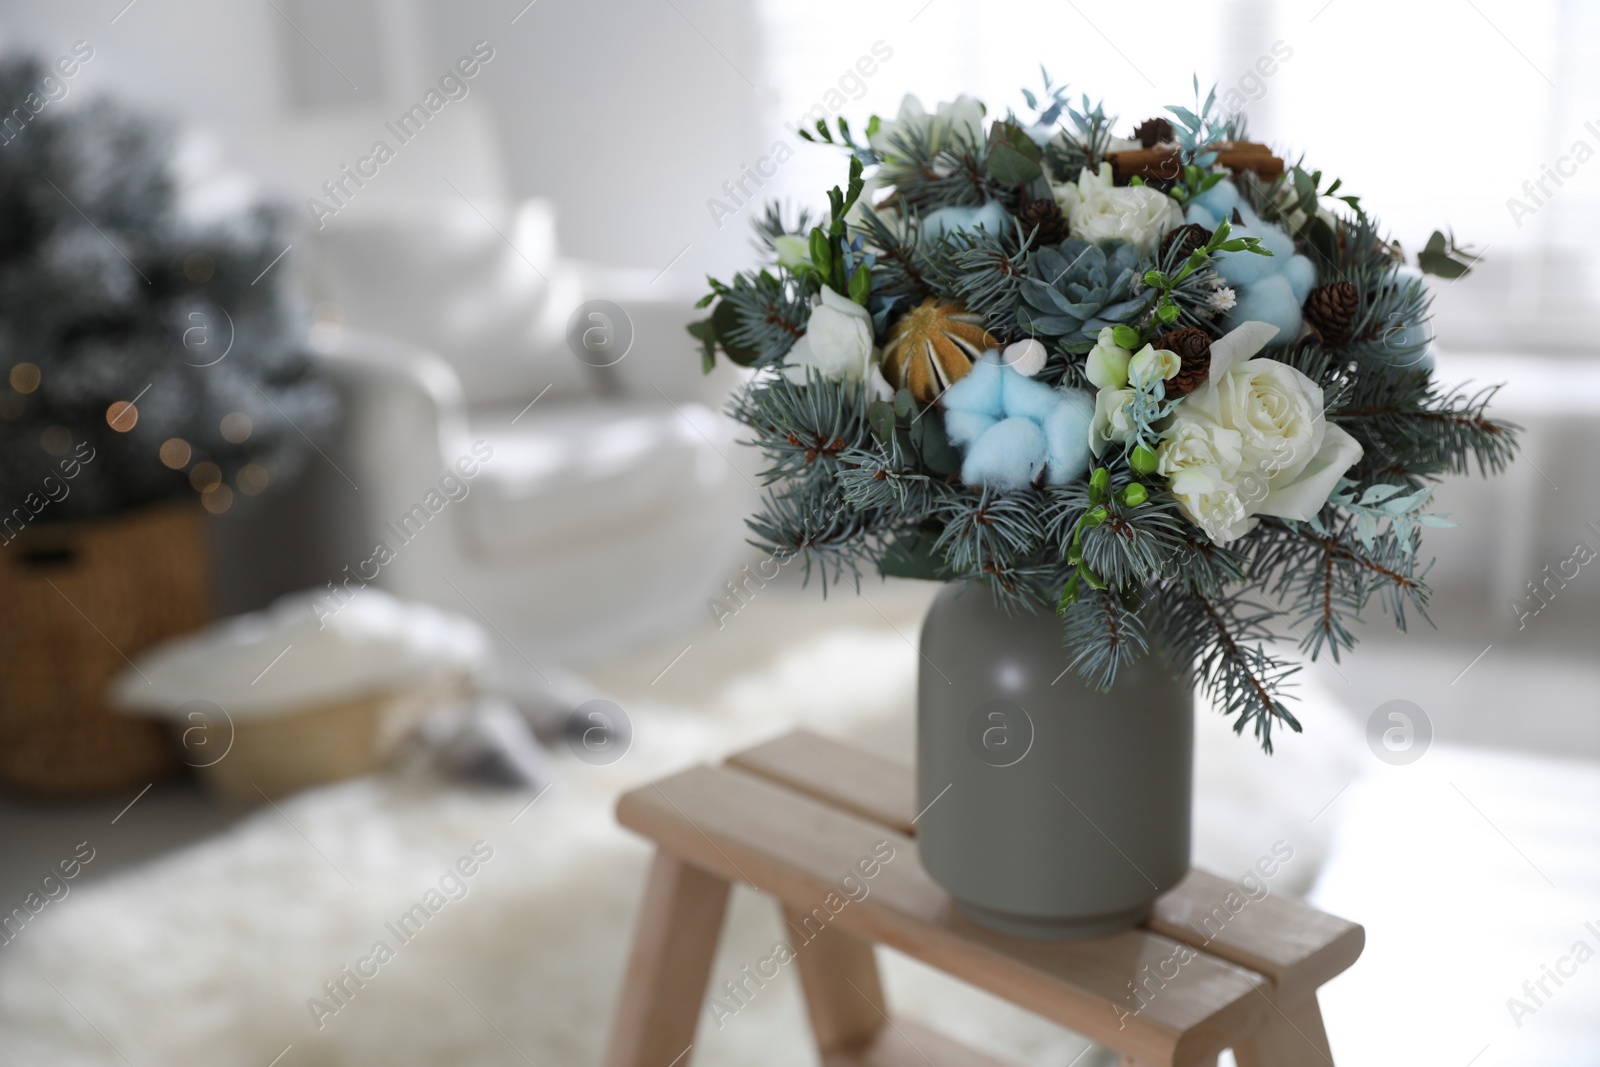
(566, 476)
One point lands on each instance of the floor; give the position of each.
(1429, 881)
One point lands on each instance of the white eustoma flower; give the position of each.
(1096, 209)
(837, 343)
(1107, 364)
(962, 116)
(794, 251)
(1111, 423)
(1149, 365)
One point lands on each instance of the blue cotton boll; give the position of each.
(1199, 216)
(1008, 456)
(1244, 268)
(965, 427)
(948, 220)
(1022, 396)
(1409, 348)
(1270, 300)
(1302, 276)
(1274, 238)
(1066, 435)
(1216, 203)
(978, 391)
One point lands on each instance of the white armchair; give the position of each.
(569, 506)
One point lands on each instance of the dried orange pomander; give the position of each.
(932, 347)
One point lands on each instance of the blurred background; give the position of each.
(396, 412)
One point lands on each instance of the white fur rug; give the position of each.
(209, 956)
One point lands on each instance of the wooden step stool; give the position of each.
(793, 816)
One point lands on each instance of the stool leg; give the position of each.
(839, 974)
(1293, 1037)
(673, 945)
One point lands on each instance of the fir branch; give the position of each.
(1405, 423)
(802, 429)
(1104, 637)
(990, 532)
(1220, 642)
(820, 530)
(1329, 576)
(769, 312)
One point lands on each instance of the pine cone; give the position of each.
(1188, 238)
(1046, 215)
(1152, 132)
(1193, 347)
(1330, 309)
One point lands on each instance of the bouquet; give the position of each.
(1169, 386)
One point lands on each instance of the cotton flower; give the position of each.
(837, 343)
(1012, 429)
(1096, 210)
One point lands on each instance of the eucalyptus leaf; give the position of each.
(912, 555)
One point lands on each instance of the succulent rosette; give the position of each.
(1171, 387)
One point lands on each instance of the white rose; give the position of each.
(1096, 210)
(837, 343)
(1192, 443)
(1290, 456)
(1276, 409)
(963, 116)
(1111, 422)
(1211, 502)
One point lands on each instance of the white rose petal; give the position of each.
(1193, 443)
(1238, 345)
(1278, 412)
(1302, 496)
(1209, 500)
(962, 116)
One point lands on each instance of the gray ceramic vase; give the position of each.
(1048, 809)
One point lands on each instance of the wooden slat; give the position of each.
(844, 995)
(908, 1043)
(798, 849)
(679, 923)
(879, 790)
(1297, 947)
(1293, 944)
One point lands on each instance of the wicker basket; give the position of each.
(77, 601)
(316, 744)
